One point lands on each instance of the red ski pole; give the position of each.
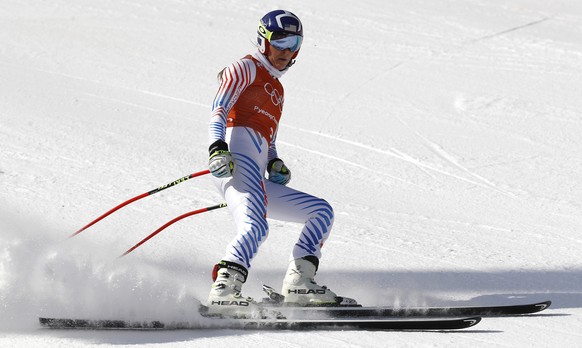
(176, 219)
(149, 193)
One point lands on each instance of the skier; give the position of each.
(252, 178)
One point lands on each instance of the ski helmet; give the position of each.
(282, 30)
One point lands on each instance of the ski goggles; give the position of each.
(281, 40)
(291, 42)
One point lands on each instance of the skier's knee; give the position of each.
(324, 211)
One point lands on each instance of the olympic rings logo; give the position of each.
(276, 97)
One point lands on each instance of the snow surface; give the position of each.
(447, 135)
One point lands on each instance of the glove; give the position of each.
(220, 162)
(278, 172)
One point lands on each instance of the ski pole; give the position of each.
(149, 193)
(176, 219)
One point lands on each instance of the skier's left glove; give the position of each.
(278, 172)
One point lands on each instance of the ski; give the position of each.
(353, 310)
(380, 324)
(376, 312)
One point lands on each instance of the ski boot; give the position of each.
(300, 289)
(225, 298)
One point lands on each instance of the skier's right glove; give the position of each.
(220, 162)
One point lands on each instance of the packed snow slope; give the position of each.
(446, 134)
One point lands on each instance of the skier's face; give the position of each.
(280, 59)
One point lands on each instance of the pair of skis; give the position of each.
(327, 318)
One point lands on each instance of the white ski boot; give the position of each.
(299, 287)
(225, 298)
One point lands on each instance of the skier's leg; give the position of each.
(316, 214)
(245, 195)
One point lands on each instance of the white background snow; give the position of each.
(446, 134)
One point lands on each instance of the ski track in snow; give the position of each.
(445, 134)
(395, 153)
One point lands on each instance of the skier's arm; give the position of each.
(233, 81)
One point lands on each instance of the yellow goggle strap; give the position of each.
(264, 32)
